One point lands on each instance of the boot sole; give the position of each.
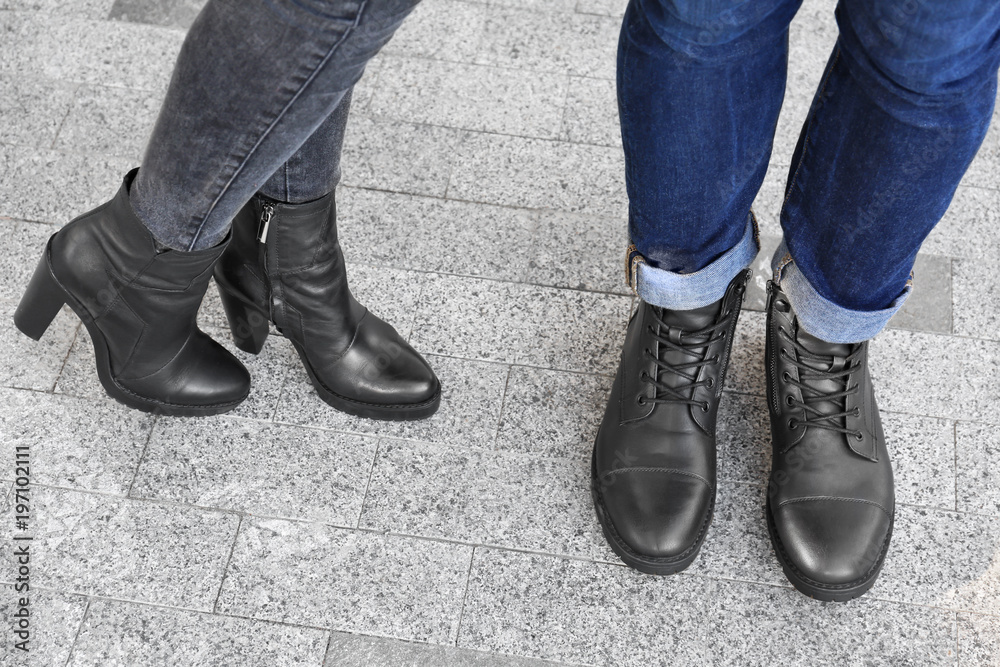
(635, 560)
(819, 590)
(38, 307)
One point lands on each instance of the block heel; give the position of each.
(41, 301)
(248, 324)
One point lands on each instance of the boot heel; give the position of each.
(248, 324)
(40, 303)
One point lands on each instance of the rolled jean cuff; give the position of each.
(685, 291)
(823, 318)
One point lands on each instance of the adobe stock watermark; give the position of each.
(20, 621)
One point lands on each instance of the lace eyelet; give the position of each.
(644, 375)
(785, 377)
(783, 353)
(704, 406)
(710, 382)
(857, 412)
(715, 359)
(640, 399)
(793, 425)
(859, 436)
(788, 400)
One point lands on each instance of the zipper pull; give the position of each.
(265, 221)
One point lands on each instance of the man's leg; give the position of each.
(700, 85)
(903, 106)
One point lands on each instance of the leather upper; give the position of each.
(655, 461)
(831, 493)
(298, 276)
(145, 303)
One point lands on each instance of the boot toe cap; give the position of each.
(658, 514)
(833, 541)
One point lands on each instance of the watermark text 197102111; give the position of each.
(21, 614)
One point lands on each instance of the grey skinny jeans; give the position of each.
(258, 101)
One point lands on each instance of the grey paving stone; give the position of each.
(211, 314)
(122, 633)
(264, 469)
(346, 650)
(104, 52)
(744, 439)
(746, 361)
(615, 8)
(977, 298)
(592, 112)
(537, 5)
(109, 121)
(441, 29)
(90, 9)
(928, 308)
(27, 364)
(472, 318)
(942, 559)
(573, 330)
(471, 395)
(91, 445)
(22, 245)
(978, 640)
(579, 44)
(936, 375)
(552, 413)
(767, 204)
(471, 97)
(535, 173)
(54, 187)
(579, 251)
(511, 500)
(116, 547)
(977, 459)
(923, 459)
(399, 231)
(512, 323)
(400, 157)
(171, 13)
(33, 109)
(968, 228)
(54, 619)
(737, 546)
(608, 615)
(346, 580)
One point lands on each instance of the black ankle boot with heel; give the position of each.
(140, 306)
(285, 266)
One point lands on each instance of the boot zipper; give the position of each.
(267, 212)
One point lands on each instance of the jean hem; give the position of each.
(823, 318)
(686, 291)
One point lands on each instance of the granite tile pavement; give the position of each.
(483, 213)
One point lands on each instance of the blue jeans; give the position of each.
(258, 101)
(902, 108)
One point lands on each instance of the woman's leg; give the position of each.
(254, 80)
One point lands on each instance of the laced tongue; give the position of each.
(679, 326)
(824, 357)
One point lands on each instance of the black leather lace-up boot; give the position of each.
(830, 502)
(285, 266)
(653, 478)
(140, 306)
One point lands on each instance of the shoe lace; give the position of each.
(811, 396)
(689, 343)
